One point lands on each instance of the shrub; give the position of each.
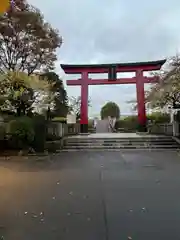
(3, 141)
(128, 123)
(158, 117)
(131, 122)
(2, 132)
(20, 133)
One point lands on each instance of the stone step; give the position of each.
(122, 147)
(135, 142)
(123, 143)
(117, 149)
(117, 139)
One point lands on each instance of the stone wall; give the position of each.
(60, 130)
(55, 133)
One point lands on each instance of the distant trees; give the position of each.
(110, 109)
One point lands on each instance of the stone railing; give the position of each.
(166, 129)
(58, 130)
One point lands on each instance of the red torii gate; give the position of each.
(112, 70)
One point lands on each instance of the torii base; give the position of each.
(84, 128)
(142, 128)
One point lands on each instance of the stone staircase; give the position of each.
(114, 143)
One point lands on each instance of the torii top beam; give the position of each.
(107, 68)
(120, 67)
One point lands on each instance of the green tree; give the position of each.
(60, 108)
(27, 42)
(19, 91)
(110, 109)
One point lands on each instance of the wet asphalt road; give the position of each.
(92, 196)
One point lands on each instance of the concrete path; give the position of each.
(103, 126)
(116, 135)
(92, 196)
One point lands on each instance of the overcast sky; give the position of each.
(105, 31)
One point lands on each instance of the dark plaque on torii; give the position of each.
(112, 74)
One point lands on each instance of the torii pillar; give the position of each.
(112, 70)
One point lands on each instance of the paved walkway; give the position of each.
(115, 135)
(92, 196)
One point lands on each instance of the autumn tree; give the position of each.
(27, 42)
(60, 99)
(166, 93)
(110, 109)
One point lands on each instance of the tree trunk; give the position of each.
(18, 111)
